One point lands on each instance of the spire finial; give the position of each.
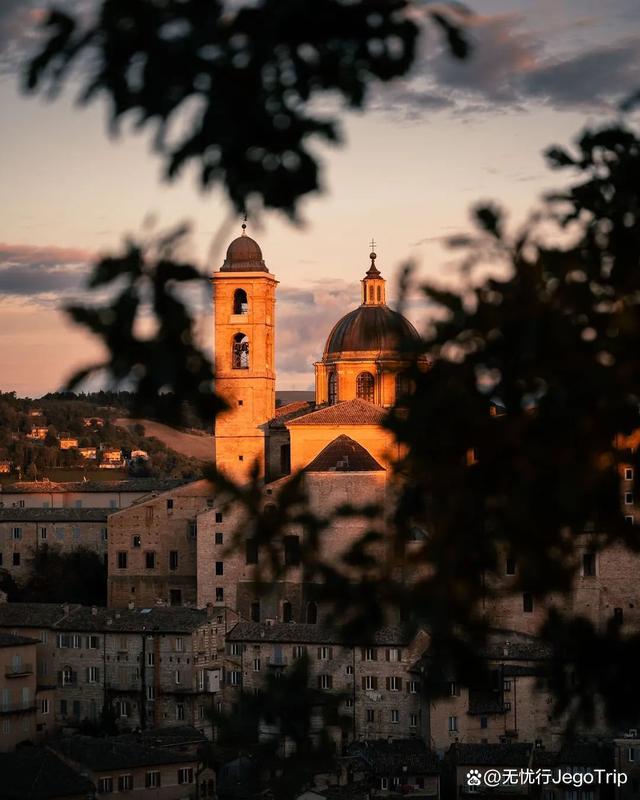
(244, 224)
(372, 254)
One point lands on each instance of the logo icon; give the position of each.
(474, 778)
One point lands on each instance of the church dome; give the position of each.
(372, 327)
(244, 255)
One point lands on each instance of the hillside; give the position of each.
(199, 446)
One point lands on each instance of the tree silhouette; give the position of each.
(513, 437)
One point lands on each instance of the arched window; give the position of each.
(312, 613)
(364, 386)
(332, 388)
(67, 676)
(240, 302)
(403, 387)
(371, 294)
(287, 612)
(240, 354)
(379, 293)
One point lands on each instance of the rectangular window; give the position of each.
(370, 683)
(527, 603)
(299, 650)
(454, 690)
(185, 775)
(76, 641)
(179, 644)
(17, 533)
(218, 516)
(235, 677)
(236, 649)
(125, 783)
(219, 594)
(93, 675)
(506, 686)
(414, 687)
(152, 779)
(395, 715)
(169, 505)
(628, 474)
(93, 642)
(628, 498)
(177, 677)
(255, 611)
(256, 665)
(369, 654)
(104, 533)
(44, 706)
(510, 567)
(122, 559)
(150, 559)
(16, 559)
(325, 682)
(292, 551)
(219, 568)
(589, 565)
(370, 715)
(105, 785)
(136, 540)
(180, 712)
(453, 724)
(43, 534)
(394, 684)
(325, 653)
(151, 692)
(628, 520)
(151, 659)
(394, 654)
(219, 537)
(251, 551)
(413, 720)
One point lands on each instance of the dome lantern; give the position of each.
(373, 284)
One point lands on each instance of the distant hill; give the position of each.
(193, 445)
(282, 398)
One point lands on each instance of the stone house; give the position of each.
(382, 696)
(115, 766)
(25, 530)
(153, 546)
(153, 667)
(18, 701)
(81, 494)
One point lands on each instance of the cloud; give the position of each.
(510, 67)
(596, 78)
(39, 272)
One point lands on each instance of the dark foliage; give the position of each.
(76, 576)
(240, 84)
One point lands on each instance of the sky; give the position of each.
(427, 149)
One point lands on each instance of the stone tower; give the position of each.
(244, 305)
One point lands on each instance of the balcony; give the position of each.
(18, 670)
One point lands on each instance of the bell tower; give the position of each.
(244, 296)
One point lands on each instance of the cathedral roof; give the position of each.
(372, 328)
(349, 412)
(344, 454)
(244, 255)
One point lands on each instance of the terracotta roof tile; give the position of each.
(344, 454)
(349, 412)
